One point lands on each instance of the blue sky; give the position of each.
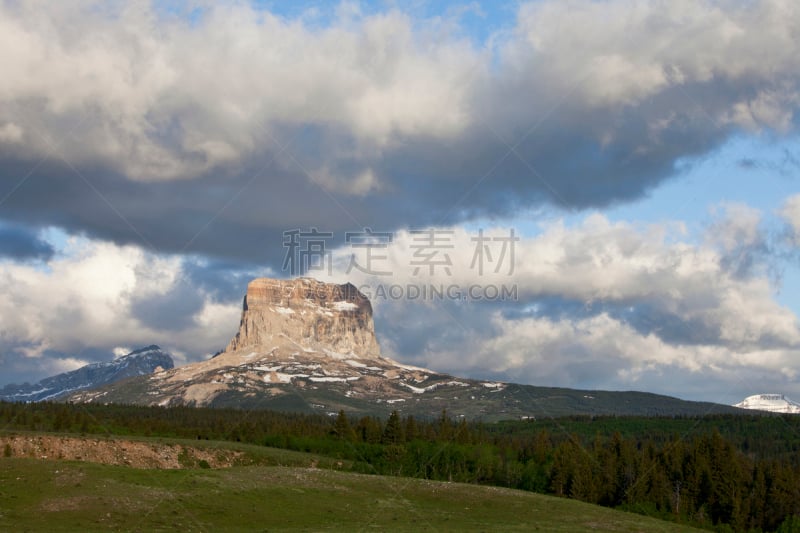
(151, 158)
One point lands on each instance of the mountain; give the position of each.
(305, 345)
(773, 403)
(137, 363)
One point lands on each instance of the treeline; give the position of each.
(735, 473)
(760, 436)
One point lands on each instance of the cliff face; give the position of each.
(313, 314)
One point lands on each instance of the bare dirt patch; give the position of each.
(116, 452)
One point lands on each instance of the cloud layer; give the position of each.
(598, 304)
(230, 119)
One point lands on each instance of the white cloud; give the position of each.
(737, 226)
(606, 353)
(85, 298)
(621, 52)
(769, 108)
(120, 351)
(557, 344)
(65, 364)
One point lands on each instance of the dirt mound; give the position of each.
(114, 451)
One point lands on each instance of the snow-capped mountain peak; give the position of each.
(773, 403)
(137, 363)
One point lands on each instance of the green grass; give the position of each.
(70, 496)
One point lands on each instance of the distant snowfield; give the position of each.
(773, 403)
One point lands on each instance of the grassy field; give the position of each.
(40, 495)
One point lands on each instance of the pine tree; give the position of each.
(341, 427)
(412, 432)
(542, 446)
(393, 433)
(369, 430)
(444, 427)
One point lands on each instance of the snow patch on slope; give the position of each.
(344, 305)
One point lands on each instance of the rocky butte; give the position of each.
(317, 316)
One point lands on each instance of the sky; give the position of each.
(606, 192)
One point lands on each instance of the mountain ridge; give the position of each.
(309, 346)
(138, 362)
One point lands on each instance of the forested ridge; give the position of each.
(722, 472)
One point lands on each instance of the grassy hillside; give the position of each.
(741, 472)
(38, 495)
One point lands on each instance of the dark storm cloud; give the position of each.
(223, 280)
(241, 214)
(241, 218)
(171, 311)
(671, 327)
(22, 243)
(436, 324)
